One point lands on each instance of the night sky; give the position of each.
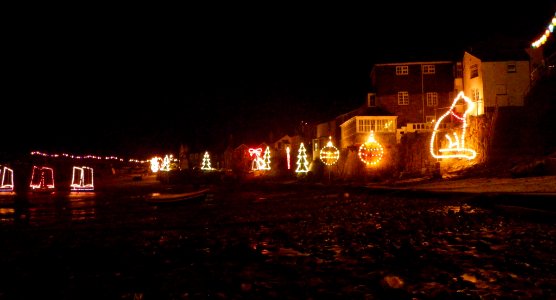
(137, 80)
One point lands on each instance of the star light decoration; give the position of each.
(329, 154)
(371, 152)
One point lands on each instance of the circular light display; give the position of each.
(329, 154)
(371, 152)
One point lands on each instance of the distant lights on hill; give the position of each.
(549, 29)
(66, 155)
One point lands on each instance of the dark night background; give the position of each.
(132, 80)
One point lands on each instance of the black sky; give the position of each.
(138, 79)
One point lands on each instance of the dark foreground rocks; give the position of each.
(273, 242)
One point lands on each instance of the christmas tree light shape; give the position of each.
(371, 152)
(456, 145)
(165, 166)
(42, 179)
(258, 163)
(302, 163)
(206, 162)
(266, 159)
(7, 183)
(329, 154)
(82, 179)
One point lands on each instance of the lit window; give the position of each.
(403, 98)
(432, 99)
(428, 69)
(402, 70)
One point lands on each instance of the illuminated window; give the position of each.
(403, 98)
(432, 99)
(428, 69)
(474, 71)
(475, 93)
(402, 70)
(512, 68)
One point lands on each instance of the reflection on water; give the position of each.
(82, 206)
(7, 215)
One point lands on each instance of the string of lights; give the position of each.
(549, 29)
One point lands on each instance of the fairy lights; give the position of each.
(371, 152)
(302, 163)
(42, 178)
(544, 37)
(456, 145)
(82, 179)
(329, 154)
(7, 183)
(66, 155)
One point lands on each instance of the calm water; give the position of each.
(286, 242)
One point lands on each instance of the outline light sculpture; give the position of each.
(258, 163)
(456, 142)
(302, 163)
(329, 154)
(266, 159)
(206, 162)
(42, 179)
(371, 152)
(7, 183)
(288, 156)
(82, 179)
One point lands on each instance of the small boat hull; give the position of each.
(158, 198)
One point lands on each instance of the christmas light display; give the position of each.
(55, 155)
(258, 163)
(288, 156)
(165, 166)
(329, 154)
(371, 152)
(548, 31)
(42, 179)
(7, 183)
(155, 164)
(456, 145)
(302, 163)
(82, 179)
(267, 159)
(206, 162)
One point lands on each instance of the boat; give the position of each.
(42, 180)
(158, 198)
